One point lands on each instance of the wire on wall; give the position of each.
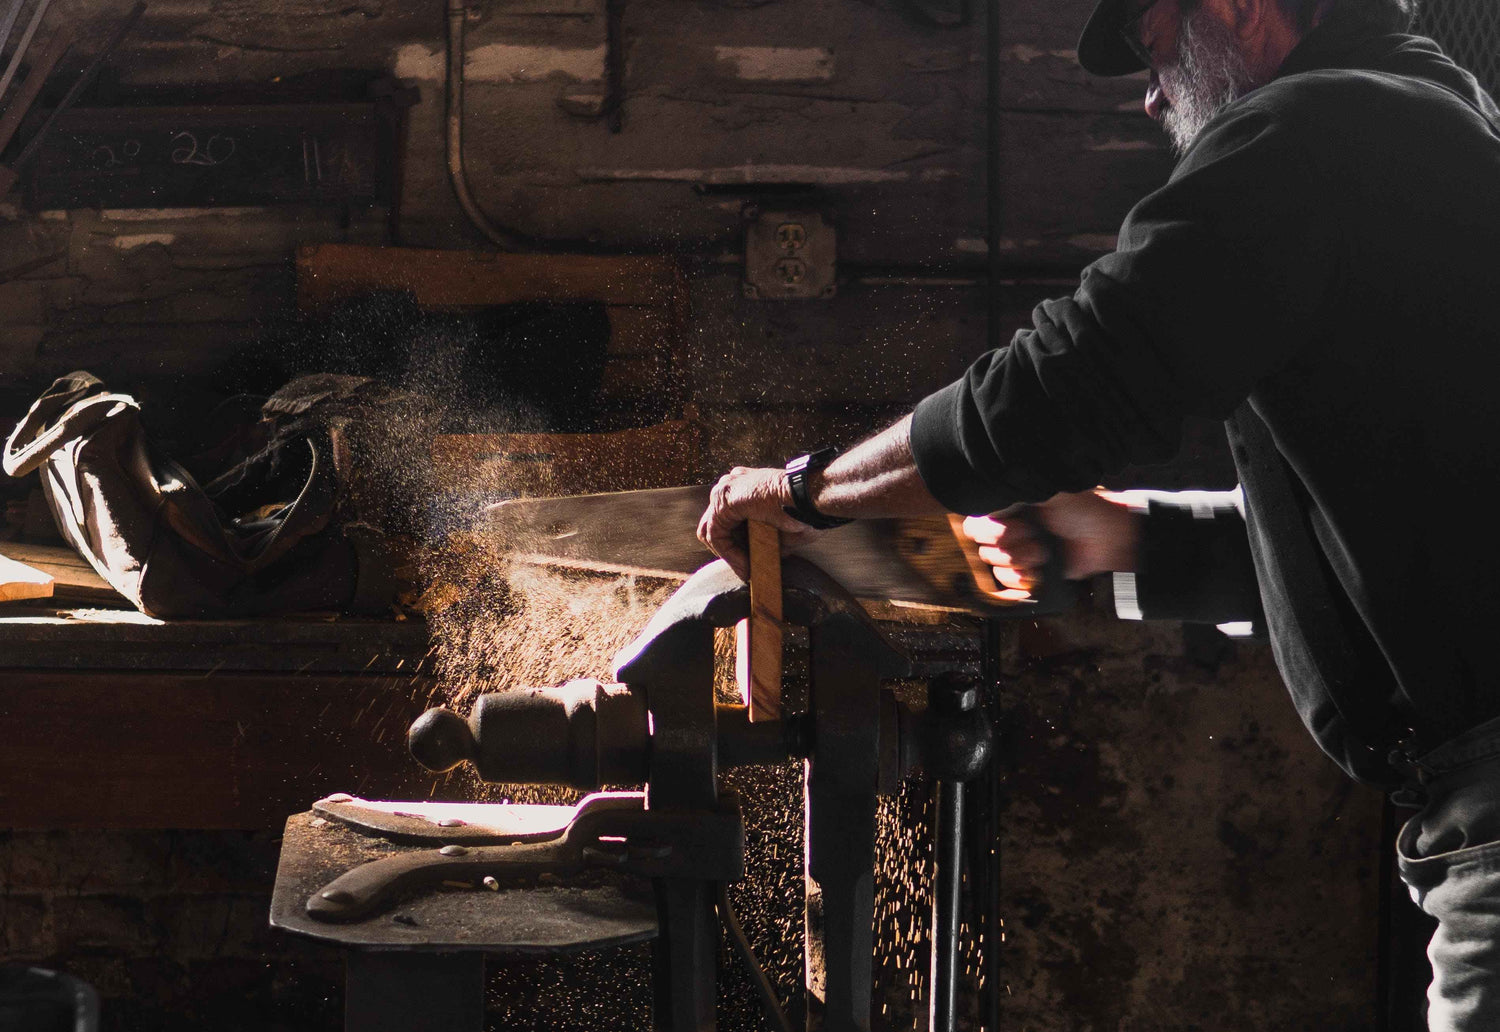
(505, 239)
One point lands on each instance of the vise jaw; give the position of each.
(660, 726)
(672, 663)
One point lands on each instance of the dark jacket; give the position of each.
(1322, 263)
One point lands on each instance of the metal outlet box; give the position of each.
(790, 255)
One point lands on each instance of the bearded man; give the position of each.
(1316, 272)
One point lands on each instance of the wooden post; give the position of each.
(758, 639)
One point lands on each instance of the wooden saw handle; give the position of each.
(758, 639)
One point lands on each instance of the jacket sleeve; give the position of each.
(1218, 282)
(1195, 561)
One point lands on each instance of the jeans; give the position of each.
(1449, 857)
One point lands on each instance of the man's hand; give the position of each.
(877, 477)
(1098, 534)
(748, 494)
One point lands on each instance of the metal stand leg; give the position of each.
(677, 676)
(839, 826)
(984, 840)
(685, 979)
(397, 991)
(946, 900)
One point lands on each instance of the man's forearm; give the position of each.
(877, 477)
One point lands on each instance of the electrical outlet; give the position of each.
(790, 255)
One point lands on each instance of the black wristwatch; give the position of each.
(798, 471)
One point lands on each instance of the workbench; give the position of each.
(112, 719)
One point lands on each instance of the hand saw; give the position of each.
(653, 532)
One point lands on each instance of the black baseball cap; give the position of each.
(1101, 48)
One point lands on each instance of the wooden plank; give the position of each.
(19, 581)
(759, 638)
(125, 639)
(136, 750)
(468, 279)
(640, 380)
(218, 155)
(74, 580)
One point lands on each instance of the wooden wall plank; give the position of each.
(663, 455)
(184, 750)
(469, 279)
(640, 330)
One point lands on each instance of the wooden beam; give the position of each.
(55, 637)
(473, 279)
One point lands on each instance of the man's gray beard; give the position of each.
(1208, 74)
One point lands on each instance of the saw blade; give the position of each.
(654, 532)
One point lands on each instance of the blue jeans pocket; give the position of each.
(1461, 888)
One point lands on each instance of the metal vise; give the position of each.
(660, 726)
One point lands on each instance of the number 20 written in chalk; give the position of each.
(216, 150)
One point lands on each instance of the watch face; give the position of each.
(812, 460)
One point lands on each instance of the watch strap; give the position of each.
(798, 472)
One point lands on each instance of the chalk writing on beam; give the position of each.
(216, 150)
(104, 154)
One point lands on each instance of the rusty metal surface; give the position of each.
(543, 916)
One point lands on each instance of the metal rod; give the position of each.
(16, 271)
(770, 1003)
(51, 54)
(948, 830)
(992, 166)
(991, 923)
(502, 238)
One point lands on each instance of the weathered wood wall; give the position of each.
(1181, 855)
(884, 117)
